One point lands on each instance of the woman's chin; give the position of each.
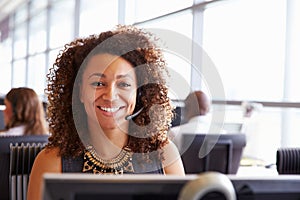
(115, 124)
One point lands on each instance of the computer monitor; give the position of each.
(212, 152)
(177, 120)
(132, 187)
(112, 187)
(2, 125)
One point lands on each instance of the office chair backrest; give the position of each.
(2, 125)
(288, 160)
(224, 156)
(21, 160)
(5, 142)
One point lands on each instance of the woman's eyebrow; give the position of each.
(124, 76)
(96, 74)
(101, 75)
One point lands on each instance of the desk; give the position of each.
(256, 171)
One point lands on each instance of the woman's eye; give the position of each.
(124, 84)
(97, 84)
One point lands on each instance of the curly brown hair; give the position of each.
(66, 114)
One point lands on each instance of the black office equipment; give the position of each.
(22, 157)
(288, 160)
(177, 120)
(5, 142)
(2, 125)
(212, 152)
(133, 187)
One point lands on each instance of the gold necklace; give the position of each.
(118, 165)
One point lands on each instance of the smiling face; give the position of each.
(108, 91)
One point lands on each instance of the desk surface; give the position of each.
(255, 171)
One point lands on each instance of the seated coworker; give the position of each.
(196, 115)
(23, 113)
(109, 109)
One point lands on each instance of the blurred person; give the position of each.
(109, 111)
(196, 116)
(24, 113)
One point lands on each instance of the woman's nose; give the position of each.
(110, 93)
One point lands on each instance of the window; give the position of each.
(178, 63)
(249, 45)
(254, 45)
(145, 9)
(19, 73)
(37, 32)
(20, 41)
(5, 66)
(97, 16)
(62, 23)
(37, 73)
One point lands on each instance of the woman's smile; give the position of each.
(109, 110)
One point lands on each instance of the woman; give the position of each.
(108, 109)
(23, 113)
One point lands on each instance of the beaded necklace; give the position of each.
(118, 165)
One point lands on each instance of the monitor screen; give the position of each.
(212, 152)
(89, 186)
(2, 125)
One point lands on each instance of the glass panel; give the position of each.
(264, 124)
(250, 46)
(97, 16)
(5, 77)
(37, 5)
(20, 41)
(19, 73)
(52, 57)
(5, 66)
(179, 65)
(37, 73)
(290, 127)
(5, 50)
(293, 51)
(62, 23)
(278, 126)
(146, 9)
(21, 14)
(37, 33)
(5, 28)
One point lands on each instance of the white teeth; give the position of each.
(109, 109)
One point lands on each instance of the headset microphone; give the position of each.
(129, 117)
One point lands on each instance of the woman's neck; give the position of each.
(107, 143)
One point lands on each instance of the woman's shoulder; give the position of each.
(49, 153)
(170, 146)
(49, 159)
(172, 161)
(170, 152)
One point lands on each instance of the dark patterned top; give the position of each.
(75, 165)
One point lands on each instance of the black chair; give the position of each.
(288, 160)
(2, 125)
(21, 161)
(5, 142)
(211, 152)
(177, 120)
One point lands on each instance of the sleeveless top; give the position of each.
(75, 165)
